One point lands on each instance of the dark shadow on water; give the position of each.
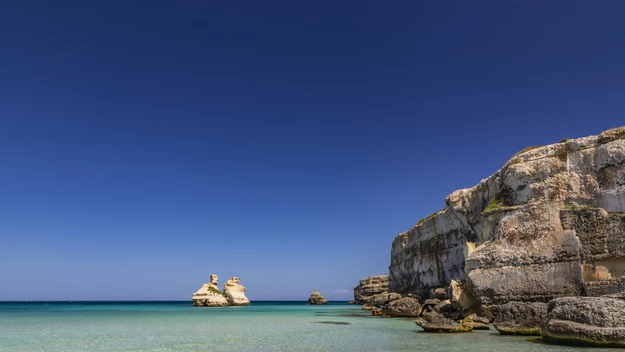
(332, 322)
(344, 313)
(535, 339)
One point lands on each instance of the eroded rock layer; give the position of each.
(550, 223)
(370, 286)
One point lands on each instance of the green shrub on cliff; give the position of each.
(214, 290)
(494, 204)
(428, 217)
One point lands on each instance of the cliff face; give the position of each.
(550, 223)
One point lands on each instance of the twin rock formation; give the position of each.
(233, 294)
(540, 244)
(210, 296)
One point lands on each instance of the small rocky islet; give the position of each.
(317, 298)
(537, 248)
(209, 294)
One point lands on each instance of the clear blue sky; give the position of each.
(145, 145)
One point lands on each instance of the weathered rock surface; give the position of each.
(446, 309)
(403, 307)
(520, 318)
(592, 321)
(434, 322)
(370, 286)
(429, 304)
(549, 223)
(235, 293)
(209, 295)
(380, 300)
(440, 293)
(383, 298)
(317, 298)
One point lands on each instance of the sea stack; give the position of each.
(317, 298)
(209, 295)
(235, 293)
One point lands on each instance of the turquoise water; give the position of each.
(263, 326)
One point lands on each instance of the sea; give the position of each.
(262, 326)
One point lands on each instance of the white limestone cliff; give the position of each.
(209, 295)
(235, 293)
(549, 223)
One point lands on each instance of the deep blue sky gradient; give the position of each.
(145, 145)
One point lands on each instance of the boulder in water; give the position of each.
(434, 322)
(586, 321)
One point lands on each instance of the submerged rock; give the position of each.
(476, 322)
(370, 286)
(333, 322)
(235, 293)
(587, 321)
(317, 298)
(209, 295)
(520, 318)
(434, 322)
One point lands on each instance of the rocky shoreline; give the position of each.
(538, 248)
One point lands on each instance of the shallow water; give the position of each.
(263, 326)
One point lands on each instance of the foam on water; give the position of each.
(263, 326)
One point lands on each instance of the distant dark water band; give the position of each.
(99, 303)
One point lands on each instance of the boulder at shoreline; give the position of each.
(403, 307)
(520, 318)
(434, 322)
(585, 321)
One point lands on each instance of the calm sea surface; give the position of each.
(263, 326)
